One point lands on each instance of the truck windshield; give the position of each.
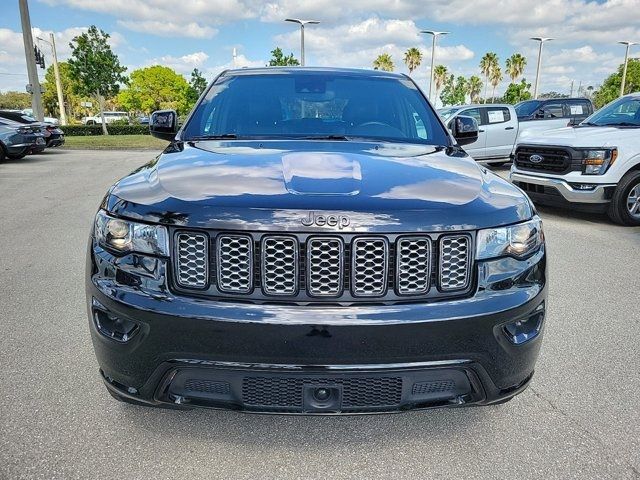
(315, 105)
(624, 112)
(526, 108)
(447, 113)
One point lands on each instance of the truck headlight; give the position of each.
(126, 236)
(517, 241)
(596, 162)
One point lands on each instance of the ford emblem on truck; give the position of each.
(536, 158)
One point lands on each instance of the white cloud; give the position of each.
(184, 64)
(169, 29)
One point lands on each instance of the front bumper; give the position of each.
(272, 358)
(559, 192)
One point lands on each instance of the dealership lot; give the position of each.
(580, 418)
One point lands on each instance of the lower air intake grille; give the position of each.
(207, 386)
(234, 263)
(455, 259)
(192, 259)
(287, 392)
(440, 386)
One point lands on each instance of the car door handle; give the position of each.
(509, 128)
(480, 131)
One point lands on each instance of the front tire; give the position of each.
(16, 157)
(625, 203)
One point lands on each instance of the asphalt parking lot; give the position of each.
(579, 419)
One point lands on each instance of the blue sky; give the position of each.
(202, 33)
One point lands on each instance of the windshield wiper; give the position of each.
(589, 124)
(223, 136)
(621, 124)
(326, 137)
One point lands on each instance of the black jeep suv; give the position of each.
(315, 241)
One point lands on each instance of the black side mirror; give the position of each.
(465, 130)
(540, 114)
(163, 124)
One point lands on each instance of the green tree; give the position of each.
(197, 85)
(383, 62)
(155, 88)
(278, 59)
(475, 88)
(95, 68)
(455, 91)
(495, 77)
(15, 100)
(413, 59)
(515, 66)
(517, 92)
(610, 89)
(440, 73)
(487, 64)
(71, 99)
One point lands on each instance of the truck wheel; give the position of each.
(625, 204)
(91, 122)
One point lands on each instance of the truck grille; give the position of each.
(304, 267)
(554, 160)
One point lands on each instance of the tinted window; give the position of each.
(498, 115)
(524, 109)
(295, 105)
(578, 108)
(624, 112)
(553, 110)
(473, 112)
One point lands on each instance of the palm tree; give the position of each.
(475, 88)
(487, 63)
(413, 58)
(383, 62)
(495, 77)
(515, 66)
(439, 77)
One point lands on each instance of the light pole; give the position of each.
(433, 56)
(302, 23)
(34, 83)
(56, 71)
(541, 40)
(624, 69)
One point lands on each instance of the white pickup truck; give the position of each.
(594, 166)
(501, 125)
(109, 117)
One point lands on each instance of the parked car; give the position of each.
(53, 135)
(315, 241)
(143, 120)
(497, 134)
(17, 140)
(109, 117)
(539, 115)
(594, 166)
(51, 120)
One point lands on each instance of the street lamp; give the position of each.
(541, 40)
(302, 24)
(624, 69)
(433, 55)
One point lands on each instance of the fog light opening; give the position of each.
(116, 328)
(525, 329)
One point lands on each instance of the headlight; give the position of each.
(596, 162)
(517, 241)
(127, 236)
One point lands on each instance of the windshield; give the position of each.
(624, 112)
(315, 105)
(447, 113)
(524, 109)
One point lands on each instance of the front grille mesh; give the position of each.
(192, 259)
(299, 267)
(288, 392)
(454, 262)
(234, 266)
(370, 256)
(325, 257)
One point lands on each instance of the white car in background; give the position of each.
(594, 166)
(109, 117)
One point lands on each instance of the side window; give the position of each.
(553, 110)
(473, 112)
(498, 115)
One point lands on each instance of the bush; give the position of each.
(87, 130)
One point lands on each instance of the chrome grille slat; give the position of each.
(325, 267)
(279, 265)
(234, 263)
(413, 265)
(455, 258)
(369, 265)
(192, 259)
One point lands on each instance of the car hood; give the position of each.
(274, 184)
(584, 136)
